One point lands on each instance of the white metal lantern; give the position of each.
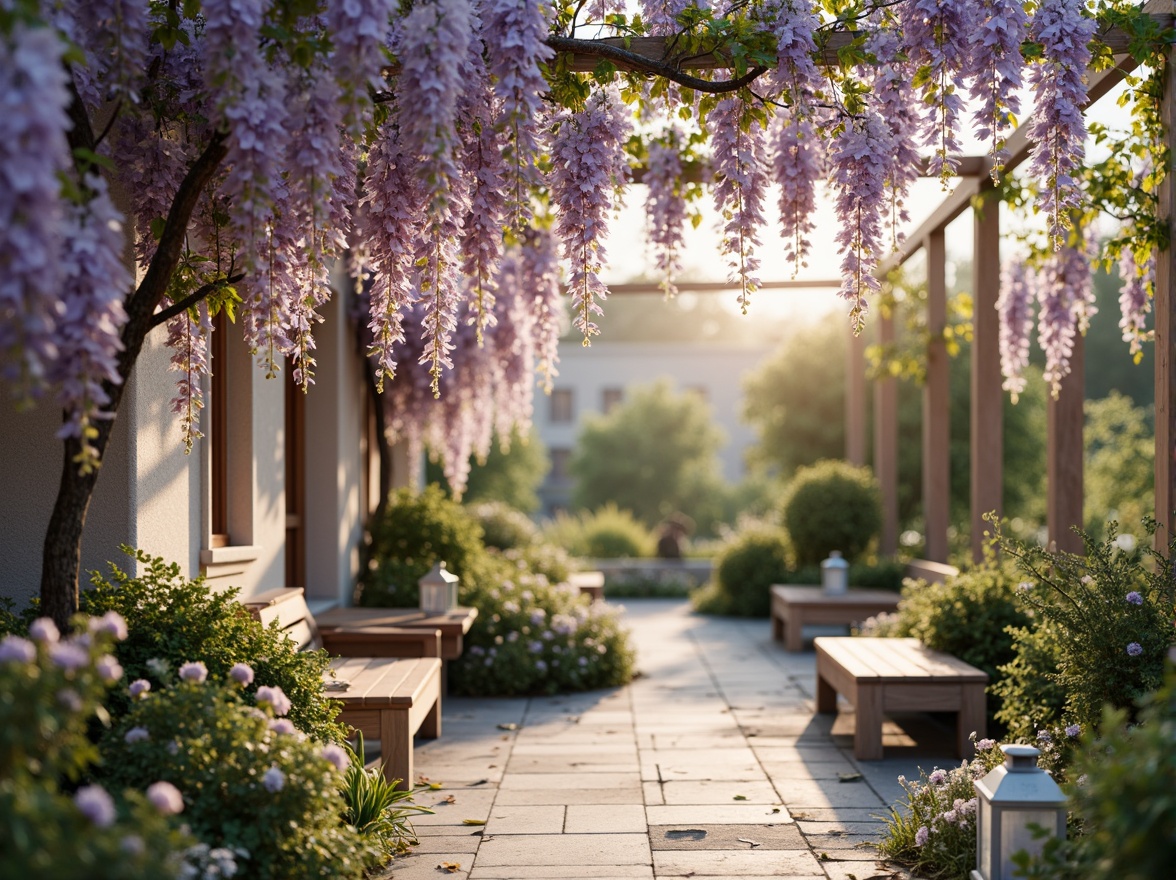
(438, 590)
(834, 574)
(1010, 798)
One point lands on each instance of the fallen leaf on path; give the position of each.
(739, 797)
(479, 782)
(849, 777)
(754, 843)
(508, 726)
(449, 867)
(775, 809)
(473, 821)
(450, 800)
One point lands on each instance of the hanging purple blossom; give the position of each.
(996, 73)
(1015, 306)
(514, 351)
(153, 178)
(187, 337)
(796, 75)
(597, 10)
(517, 28)
(358, 29)
(1135, 298)
(665, 207)
(1057, 127)
(739, 190)
(661, 16)
(113, 36)
(1066, 296)
(796, 167)
(937, 35)
(589, 162)
(540, 275)
(33, 152)
(859, 157)
(895, 101)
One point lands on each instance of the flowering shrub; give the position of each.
(248, 780)
(1110, 622)
(934, 830)
(172, 620)
(503, 527)
(532, 637)
(51, 689)
(605, 533)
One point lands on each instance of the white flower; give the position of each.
(165, 797)
(194, 671)
(44, 630)
(276, 699)
(139, 687)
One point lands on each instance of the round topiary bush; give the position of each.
(503, 526)
(748, 566)
(605, 533)
(832, 506)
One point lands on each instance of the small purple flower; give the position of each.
(985, 744)
(937, 777)
(139, 688)
(69, 656)
(1044, 736)
(165, 797)
(69, 698)
(1073, 730)
(108, 669)
(242, 673)
(96, 805)
(274, 779)
(541, 666)
(275, 697)
(44, 630)
(194, 671)
(535, 646)
(1134, 598)
(538, 616)
(132, 845)
(283, 725)
(111, 623)
(949, 817)
(921, 835)
(136, 734)
(1134, 649)
(336, 756)
(14, 649)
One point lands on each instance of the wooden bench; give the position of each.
(795, 606)
(589, 583)
(386, 698)
(880, 676)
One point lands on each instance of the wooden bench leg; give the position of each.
(826, 696)
(794, 634)
(777, 628)
(867, 732)
(396, 747)
(431, 725)
(971, 717)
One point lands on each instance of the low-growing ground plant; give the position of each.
(172, 620)
(744, 570)
(376, 808)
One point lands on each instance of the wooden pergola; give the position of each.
(1065, 413)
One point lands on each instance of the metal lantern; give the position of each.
(834, 574)
(1010, 798)
(438, 590)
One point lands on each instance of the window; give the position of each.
(610, 398)
(560, 459)
(218, 434)
(562, 408)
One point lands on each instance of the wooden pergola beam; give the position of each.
(654, 287)
(936, 407)
(1165, 330)
(886, 445)
(987, 395)
(1065, 455)
(855, 399)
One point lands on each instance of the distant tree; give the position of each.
(511, 473)
(1120, 460)
(654, 454)
(686, 318)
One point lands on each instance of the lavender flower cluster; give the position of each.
(740, 155)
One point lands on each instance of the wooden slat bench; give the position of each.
(387, 699)
(880, 676)
(589, 583)
(795, 606)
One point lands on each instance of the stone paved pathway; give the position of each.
(711, 764)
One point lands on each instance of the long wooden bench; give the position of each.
(880, 676)
(390, 697)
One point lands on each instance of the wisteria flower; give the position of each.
(242, 673)
(139, 688)
(14, 649)
(1134, 649)
(336, 755)
(108, 669)
(96, 805)
(1134, 598)
(194, 671)
(275, 698)
(274, 779)
(136, 734)
(165, 797)
(44, 630)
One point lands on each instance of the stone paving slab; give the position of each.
(564, 849)
(629, 794)
(563, 872)
(706, 836)
(736, 863)
(724, 814)
(546, 819)
(605, 819)
(722, 791)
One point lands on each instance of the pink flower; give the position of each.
(165, 797)
(194, 671)
(96, 805)
(275, 698)
(242, 673)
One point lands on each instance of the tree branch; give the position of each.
(634, 61)
(191, 299)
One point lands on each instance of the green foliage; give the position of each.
(967, 616)
(830, 506)
(176, 620)
(1110, 618)
(45, 710)
(745, 569)
(654, 454)
(605, 533)
(273, 797)
(933, 829)
(1027, 689)
(375, 808)
(503, 527)
(415, 531)
(541, 558)
(1124, 803)
(532, 637)
(511, 474)
(9, 622)
(1120, 465)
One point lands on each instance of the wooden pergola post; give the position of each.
(936, 406)
(886, 445)
(987, 398)
(855, 400)
(1064, 455)
(1165, 309)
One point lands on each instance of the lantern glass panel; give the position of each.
(1016, 836)
(984, 838)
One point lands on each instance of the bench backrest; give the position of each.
(288, 607)
(931, 572)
